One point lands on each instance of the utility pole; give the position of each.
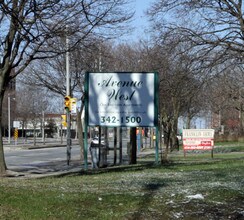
(68, 94)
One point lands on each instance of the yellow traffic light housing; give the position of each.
(67, 102)
(64, 120)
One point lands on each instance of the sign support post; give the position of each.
(156, 147)
(86, 123)
(85, 147)
(156, 117)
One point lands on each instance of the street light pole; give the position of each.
(9, 122)
(67, 109)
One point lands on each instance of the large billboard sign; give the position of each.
(122, 99)
(198, 139)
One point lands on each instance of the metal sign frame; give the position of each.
(121, 99)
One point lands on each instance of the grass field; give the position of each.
(195, 187)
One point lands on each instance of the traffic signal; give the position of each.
(67, 102)
(64, 120)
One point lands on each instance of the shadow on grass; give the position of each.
(151, 190)
(121, 168)
(172, 165)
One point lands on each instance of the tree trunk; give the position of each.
(115, 146)
(167, 134)
(174, 125)
(141, 139)
(3, 167)
(167, 128)
(151, 138)
(188, 122)
(133, 146)
(120, 146)
(80, 133)
(175, 143)
(241, 131)
(160, 138)
(106, 139)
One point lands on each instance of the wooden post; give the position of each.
(133, 145)
(120, 146)
(115, 146)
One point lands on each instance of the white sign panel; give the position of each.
(198, 139)
(122, 99)
(74, 106)
(16, 124)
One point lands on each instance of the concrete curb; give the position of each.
(43, 146)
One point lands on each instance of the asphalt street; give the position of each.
(43, 160)
(47, 159)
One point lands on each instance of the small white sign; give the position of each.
(73, 105)
(16, 124)
(198, 139)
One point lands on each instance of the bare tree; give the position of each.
(31, 103)
(212, 34)
(30, 30)
(180, 85)
(51, 74)
(213, 28)
(226, 98)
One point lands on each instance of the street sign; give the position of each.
(16, 124)
(73, 105)
(198, 139)
(122, 99)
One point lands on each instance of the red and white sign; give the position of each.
(198, 139)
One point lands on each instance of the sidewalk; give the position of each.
(30, 145)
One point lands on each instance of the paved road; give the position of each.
(40, 160)
(47, 160)
(18, 156)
